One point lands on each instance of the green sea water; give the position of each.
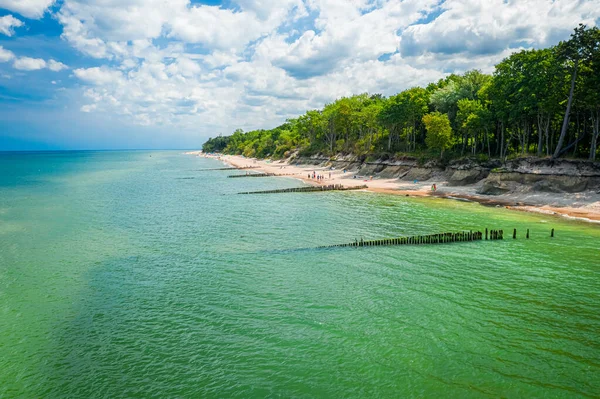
(137, 275)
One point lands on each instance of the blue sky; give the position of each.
(97, 74)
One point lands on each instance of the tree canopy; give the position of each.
(543, 102)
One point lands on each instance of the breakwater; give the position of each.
(253, 175)
(441, 238)
(309, 189)
(229, 168)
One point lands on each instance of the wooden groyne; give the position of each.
(264, 175)
(495, 234)
(442, 238)
(308, 189)
(230, 168)
(253, 175)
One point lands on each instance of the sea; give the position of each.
(144, 274)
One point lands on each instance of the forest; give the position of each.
(542, 102)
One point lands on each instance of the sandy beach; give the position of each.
(578, 206)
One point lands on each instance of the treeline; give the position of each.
(543, 102)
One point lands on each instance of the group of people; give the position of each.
(317, 177)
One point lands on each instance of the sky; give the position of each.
(162, 74)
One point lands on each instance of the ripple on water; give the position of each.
(125, 279)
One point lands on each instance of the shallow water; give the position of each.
(134, 274)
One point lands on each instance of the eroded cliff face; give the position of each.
(492, 177)
(543, 175)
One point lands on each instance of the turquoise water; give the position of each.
(133, 274)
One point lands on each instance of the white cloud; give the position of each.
(233, 30)
(88, 108)
(207, 68)
(102, 29)
(99, 75)
(56, 66)
(185, 67)
(8, 23)
(269, 9)
(347, 35)
(490, 26)
(29, 64)
(6, 55)
(28, 8)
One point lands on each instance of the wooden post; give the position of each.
(527, 236)
(486, 233)
(514, 234)
(552, 233)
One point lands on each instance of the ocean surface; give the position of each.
(138, 275)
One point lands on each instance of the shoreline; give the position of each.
(542, 203)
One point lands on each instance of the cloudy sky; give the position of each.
(83, 74)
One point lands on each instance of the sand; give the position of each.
(579, 206)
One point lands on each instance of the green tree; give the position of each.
(580, 48)
(439, 132)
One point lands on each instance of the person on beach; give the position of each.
(330, 175)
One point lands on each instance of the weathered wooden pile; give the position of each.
(442, 238)
(495, 234)
(308, 189)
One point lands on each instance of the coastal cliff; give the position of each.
(492, 177)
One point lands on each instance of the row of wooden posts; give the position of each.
(253, 175)
(229, 168)
(495, 234)
(442, 238)
(463, 236)
(499, 234)
(264, 175)
(308, 189)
